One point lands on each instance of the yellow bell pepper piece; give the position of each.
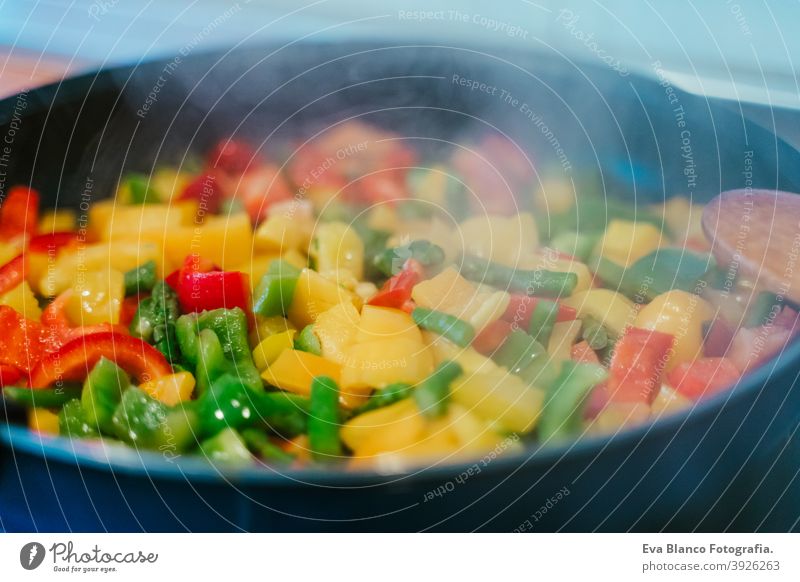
(680, 314)
(385, 429)
(169, 183)
(449, 292)
(384, 323)
(267, 326)
(294, 371)
(564, 336)
(223, 240)
(500, 397)
(625, 241)
(121, 256)
(295, 258)
(170, 389)
(43, 420)
(491, 310)
(505, 240)
(23, 300)
(113, 221)
(271, 347)
(380, 362)
(62, 219)
(382, 217)
(336, 329)
(314, 295)
(474, 435)
(96, 297)
(338, 246)
(284, 230)
(668, 401)
(618, 416)
(470, 360)
(684, 219)
(555, 196)
(8, 251)
(612, 309)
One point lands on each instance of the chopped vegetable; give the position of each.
(432, 394)
(638, 363)
(140, 279)
(459, 332)
(540, 282)
(324, 419)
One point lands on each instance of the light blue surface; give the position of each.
(743, 49)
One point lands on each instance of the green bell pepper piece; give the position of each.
(155, 321)
(102, 392)
(276, 289)
(226, 447)
(144, 422)
(230, 403)
(307, 341)
(141, 192)
(140, 279)
(215, 343)
(72, 421)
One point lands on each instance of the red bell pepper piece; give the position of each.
(205, 291)
(310, 167)
(396, 291)
(703, 377)
(637, 365)
(12, 273)
(260, 188)
(23, 342)
(206, 189)
(232, 156)
(492, 337)
(718, 339)
(9, 375)
(583, 352)
(19, 213)
(75, 359)
(377, 188)
(520, 308)
(52, 241)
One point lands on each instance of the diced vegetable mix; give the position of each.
(357, 312)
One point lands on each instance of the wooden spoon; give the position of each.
(757, 233)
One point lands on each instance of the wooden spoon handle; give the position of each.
(756, 233)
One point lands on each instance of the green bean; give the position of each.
(594, 333)
(140, 279)
(542, 321)
(259, 444)
(385, 396)
(42, 397)
(531, 282)
(433, 394)
(324, 419)
(457, 331)
(762, 309)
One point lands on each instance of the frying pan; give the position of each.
(729, 463)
